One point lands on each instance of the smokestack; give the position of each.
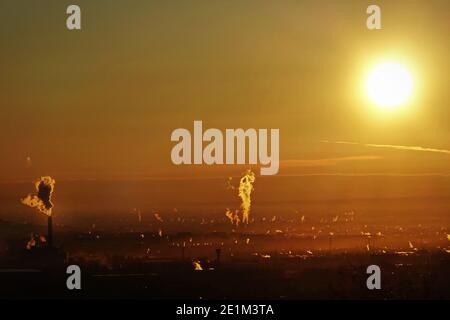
(218, 251)
(330, 241)
(50, 232)
(42, 201)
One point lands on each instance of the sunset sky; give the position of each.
(100, 104)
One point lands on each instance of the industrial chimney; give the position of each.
(218, 251)
(50, 232)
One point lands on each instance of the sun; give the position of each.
(389, 85)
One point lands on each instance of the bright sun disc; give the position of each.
(389, 84)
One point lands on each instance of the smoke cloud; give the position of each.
(197, 266)
(245, 191)
(42, 200)
(158, 217)
(234, 217)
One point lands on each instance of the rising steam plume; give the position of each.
(158, 217)
(233, 217)
(245, 192)
(42, 200)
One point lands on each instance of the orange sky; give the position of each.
(100, 103)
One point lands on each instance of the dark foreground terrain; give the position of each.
(422, 275)
(327, 262)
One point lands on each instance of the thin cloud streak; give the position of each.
(381, 174)
(324, 162)
(408, 148)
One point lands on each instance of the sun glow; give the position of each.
(389, 85)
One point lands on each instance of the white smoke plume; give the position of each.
(31, 243)
(245, 191)
(233, 217)
(197, 266)
(138, 214)
(229, 183)
(158, 217)
(42, 200)
(29, 162)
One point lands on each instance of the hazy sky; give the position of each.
(101, 103)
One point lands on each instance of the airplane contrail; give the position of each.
(390, 146)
